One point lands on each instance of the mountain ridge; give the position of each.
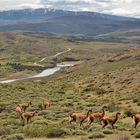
(46, 12)
(65, 22)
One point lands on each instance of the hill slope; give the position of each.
(129, 36)
(108, 75)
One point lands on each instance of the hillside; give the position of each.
(128, 36)
(65, 22)
(108, 75)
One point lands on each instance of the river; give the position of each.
(44, 73)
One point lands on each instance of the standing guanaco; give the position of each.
(79, 117)
(136, 119)
(27, 116)
(18, 110)
(110, 120)
(97, 115)
(24, 106)
(45, 104)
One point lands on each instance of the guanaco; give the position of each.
(97, 115)
(27, 116)
(24, 106)
(18, 110)
(110, 120)
(136, 119)
(46, 104)
(79, 117)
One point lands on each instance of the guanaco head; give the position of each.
(36, 112)
(118, 113)
(89, 111)
(30, 103)
(104, 107)
(132, 115)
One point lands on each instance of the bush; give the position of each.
(13, 137)
(56, 133)
(107, 132)
(128, 113)
(113, 106)
(35, 130)
(99, 91)
(3, 132)
(137, 135)
(96, 135)
(138, 104)
(135, 100)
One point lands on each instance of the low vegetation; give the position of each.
(94, 83)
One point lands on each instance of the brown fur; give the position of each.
(27, 116)
(18, 110)
(79, 117)
(110, 120)
(136, 119)
(46, 104)
(24, 106)
(97, 115)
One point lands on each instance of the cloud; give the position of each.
(117, 7)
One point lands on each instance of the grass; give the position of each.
(92, 84)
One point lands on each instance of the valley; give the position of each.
(107, 73)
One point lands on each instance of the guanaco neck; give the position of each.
(29, 104)
(88, 113)
(33, 114)
(103, 111)
(116, 117)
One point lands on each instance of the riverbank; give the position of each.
(44, 73)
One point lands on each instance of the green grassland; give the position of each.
(109, 75)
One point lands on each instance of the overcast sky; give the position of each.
(116, 7)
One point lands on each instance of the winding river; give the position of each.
(44, 73)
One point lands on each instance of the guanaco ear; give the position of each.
(90, 109)
(132, 115)
(119, 113)
(105, 107)
(36, 112)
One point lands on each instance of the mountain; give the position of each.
(65, 22)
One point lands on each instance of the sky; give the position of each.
(129, 8)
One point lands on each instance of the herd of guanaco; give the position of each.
(27, 116)
(74, 117)
(101, 117)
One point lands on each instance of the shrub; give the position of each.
(3, 132)
(96, 135)
(79, 132)
(13, 137)
(138, 104)
(137, 135)
(113, 106)
(99, 91)
(2, 108)
(135, 100)
(107, 132)
(56, 133)
(128, 113)
(35, 130)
